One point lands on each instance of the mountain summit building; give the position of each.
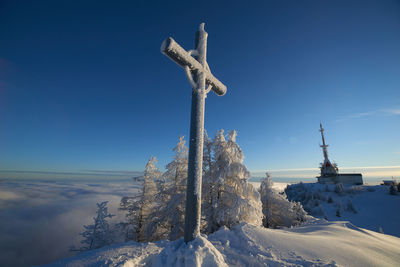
(330, 172)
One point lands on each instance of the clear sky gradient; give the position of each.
(84, 87)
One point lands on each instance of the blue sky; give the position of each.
(84, 87)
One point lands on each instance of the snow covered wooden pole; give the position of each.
(195, 64)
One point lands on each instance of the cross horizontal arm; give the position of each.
(181, 57)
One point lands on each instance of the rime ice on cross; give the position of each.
(195, 64)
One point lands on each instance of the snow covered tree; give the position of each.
(339, 207)
(234, 200)
(277, 210)
(339, 189)
(207, 154)
(140, 206)
(176, 170)
(350, 206)
(393, 190)
(227, 198)
(208, 185)
(169, 216)
(97, 235)
(338, 212)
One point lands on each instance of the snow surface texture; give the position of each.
(320, 244)
(199, 252)
(367, 206)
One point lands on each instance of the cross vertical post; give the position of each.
(195, 168)
(195, 64)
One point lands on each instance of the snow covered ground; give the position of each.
(323, 243)
(372, 208)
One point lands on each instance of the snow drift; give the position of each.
(319, 244)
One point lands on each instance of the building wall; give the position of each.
(350, 179)
(353, 178)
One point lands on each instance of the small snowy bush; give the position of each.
(371, 189)
(350, 206)
(339, 189)
(319, 211)
(277, 210)
(393, 190)
(338, 212)
(355, 189)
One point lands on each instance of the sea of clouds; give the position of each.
(40, 220)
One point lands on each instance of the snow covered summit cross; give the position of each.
(195, 64)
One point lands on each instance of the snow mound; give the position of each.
(127, 254)
(199, 252)
(319, 244)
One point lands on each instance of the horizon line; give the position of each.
(317, 168)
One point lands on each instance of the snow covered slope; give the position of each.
(319, 244)
(367, 206)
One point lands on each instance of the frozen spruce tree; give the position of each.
(176, 170)
(277, 210)
(176, 173)
(140, 207)
(207, 155)
(233, 199)
(208, 186)
(97, 235)
(169, 215)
